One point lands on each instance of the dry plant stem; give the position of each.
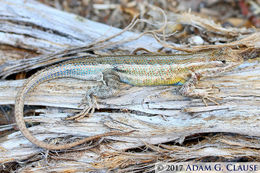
(155, 33)
(93, 46)
(135, 22)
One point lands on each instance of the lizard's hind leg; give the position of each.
(109, 86)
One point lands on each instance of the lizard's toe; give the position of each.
(88, 110)
(80, 115)
(210, 99)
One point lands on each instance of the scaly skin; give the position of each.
(137, 70)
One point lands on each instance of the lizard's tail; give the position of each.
(31, 83)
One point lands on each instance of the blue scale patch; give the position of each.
(178, 84)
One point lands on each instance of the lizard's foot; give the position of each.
(205, 95)
(211, 99)
(189, 89)
(88, 110)
(208, 95)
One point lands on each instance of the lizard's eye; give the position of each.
(223, 61)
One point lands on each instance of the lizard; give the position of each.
(137, 70)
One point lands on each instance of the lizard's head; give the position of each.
(225, 55)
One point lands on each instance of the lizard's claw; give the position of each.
(88, 110)
(204, 94)
(208, 95)
(209, 98)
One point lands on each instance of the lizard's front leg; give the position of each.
(189, 88)
(108, 87)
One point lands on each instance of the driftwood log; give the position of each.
(163, 120)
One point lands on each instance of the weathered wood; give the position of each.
(157, 119)
(48, 31)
